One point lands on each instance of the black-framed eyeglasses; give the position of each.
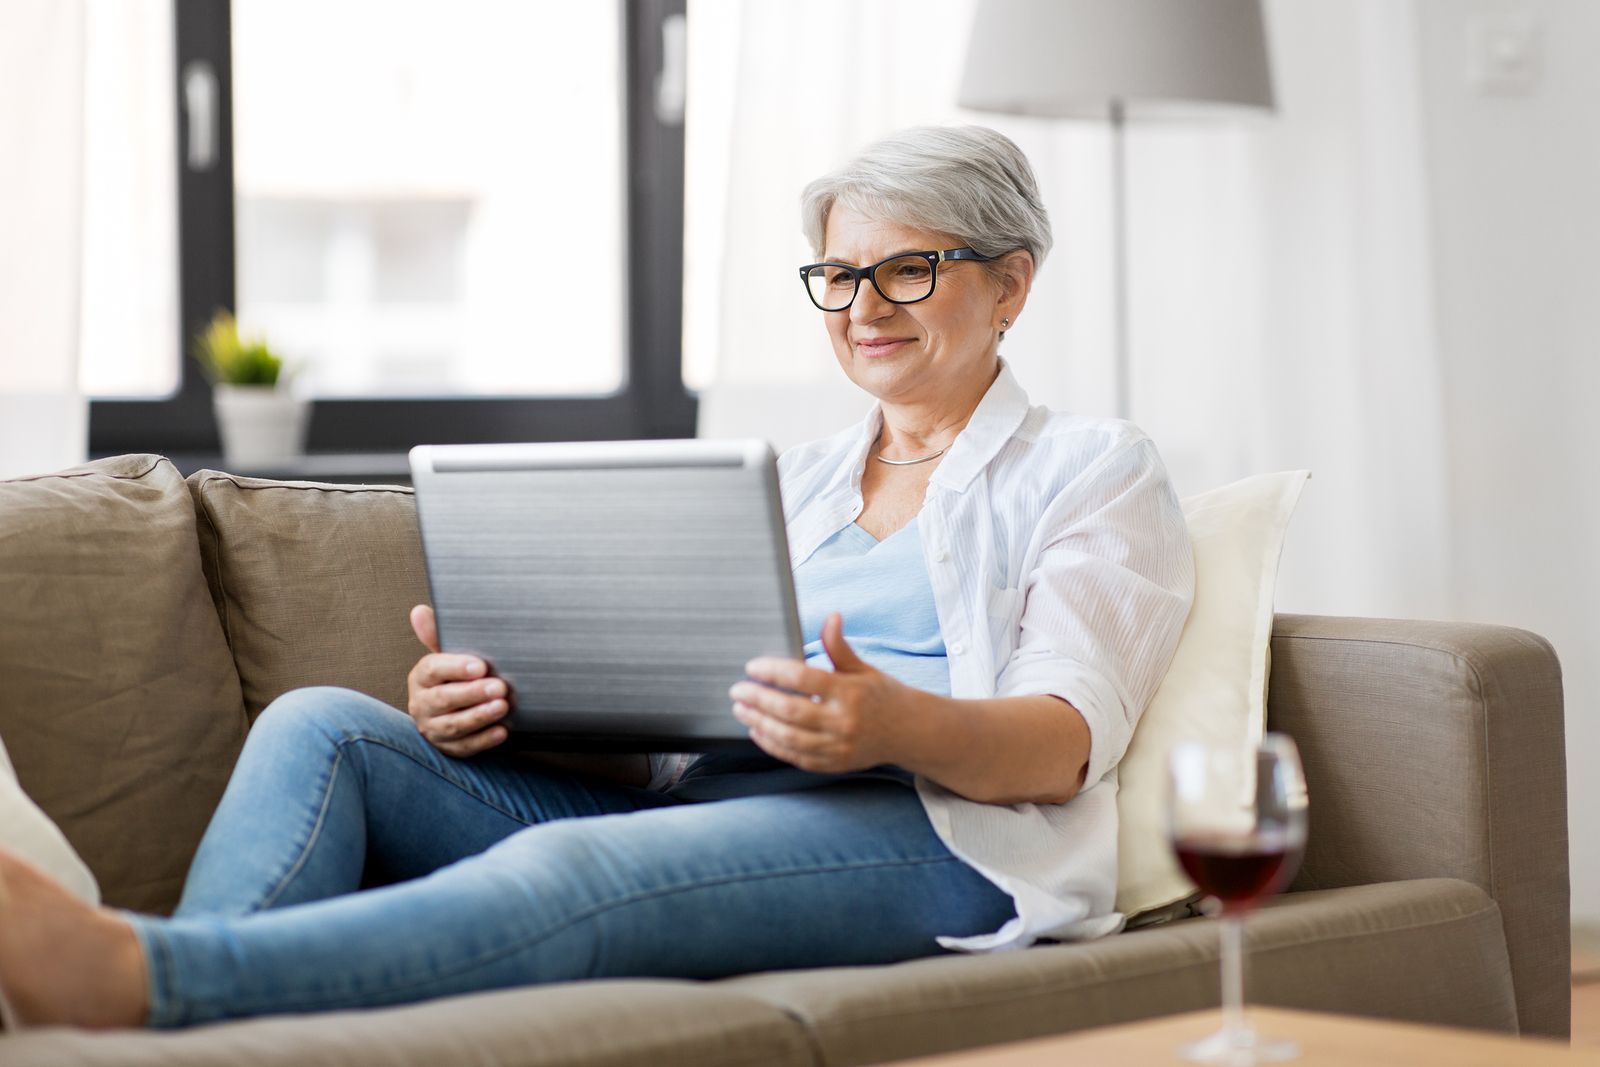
(903, 278)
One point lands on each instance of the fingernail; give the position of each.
(474, 666)
(496, 688)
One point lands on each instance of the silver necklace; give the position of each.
(909, 462)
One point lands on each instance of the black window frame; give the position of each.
(654, 402)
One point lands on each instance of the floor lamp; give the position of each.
(1117, 59)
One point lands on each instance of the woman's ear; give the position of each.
(1015, 278)
(1018, 270)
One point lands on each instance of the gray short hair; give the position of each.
(971, 182)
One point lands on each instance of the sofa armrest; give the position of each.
(1437, 749)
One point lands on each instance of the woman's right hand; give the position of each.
(456, 703)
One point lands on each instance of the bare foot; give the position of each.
(63, 961)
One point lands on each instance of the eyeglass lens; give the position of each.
(903, 280)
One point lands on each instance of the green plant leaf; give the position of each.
(231, 359)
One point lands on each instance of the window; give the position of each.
(459, 222)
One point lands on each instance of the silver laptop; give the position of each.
(618, 587)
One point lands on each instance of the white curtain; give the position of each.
(129, 339)
(1283, 313)
(1279, 275)
(88, 219)
(43, 419)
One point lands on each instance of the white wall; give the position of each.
(1514, 180)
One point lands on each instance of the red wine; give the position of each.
(1237, 869)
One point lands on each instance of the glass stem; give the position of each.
(1233, 1021)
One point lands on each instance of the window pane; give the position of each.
(430, 196)
(128, 319)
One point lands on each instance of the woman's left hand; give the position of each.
(834, 721)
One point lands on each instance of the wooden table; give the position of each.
(1324, 1040)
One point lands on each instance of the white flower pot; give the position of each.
(261, 424)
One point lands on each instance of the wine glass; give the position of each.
(1237, 816)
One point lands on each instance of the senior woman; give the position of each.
(991, 593)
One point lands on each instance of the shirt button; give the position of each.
(957, 648)
(941, 556)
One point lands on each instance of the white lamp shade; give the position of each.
(1074, 58)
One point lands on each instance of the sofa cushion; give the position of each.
(1428, 951)
(28, 832)
(1215, 691)
(314, 583)
(592, 1024)
(120, 707)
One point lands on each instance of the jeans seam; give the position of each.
(445, 778)
(408, 988)
(327, 800)
(316, 833)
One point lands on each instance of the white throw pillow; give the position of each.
(1216, 688)
(29, 833)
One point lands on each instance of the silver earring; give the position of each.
(1005, 324)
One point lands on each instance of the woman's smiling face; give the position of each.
(912, 353)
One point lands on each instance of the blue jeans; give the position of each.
(494, 872)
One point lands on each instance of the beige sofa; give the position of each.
(145, 620)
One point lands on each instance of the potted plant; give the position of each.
(261, 420)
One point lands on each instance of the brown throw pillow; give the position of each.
(119, 706)
(314, 583)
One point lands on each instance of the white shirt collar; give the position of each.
(993, 422)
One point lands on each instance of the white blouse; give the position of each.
(1060, 565)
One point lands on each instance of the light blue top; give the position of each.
(882, 590)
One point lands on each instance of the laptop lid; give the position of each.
(618, 587)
